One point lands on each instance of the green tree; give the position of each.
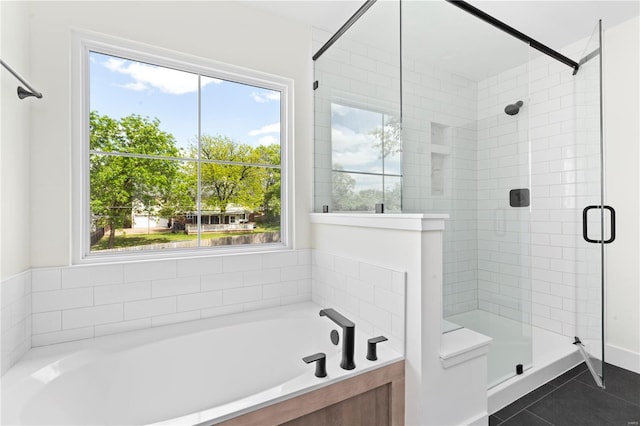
(119, 181)
(389, 136)
(225, 183)
(343, 186)
(270, 179)
(181, 199)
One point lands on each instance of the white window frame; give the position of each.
(85, 42)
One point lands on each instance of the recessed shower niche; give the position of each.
(440, 163)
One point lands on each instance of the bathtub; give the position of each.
(203, 371)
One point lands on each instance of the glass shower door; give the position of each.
(597, 220)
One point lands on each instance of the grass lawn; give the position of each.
(125, 239)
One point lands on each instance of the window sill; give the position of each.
(171, 254)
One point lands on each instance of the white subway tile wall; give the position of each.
(439, 131)
(462, 155)
(370, 295)
(81, 302)
(15, 308)
(544, 272)
(439, 146)
(504, 282)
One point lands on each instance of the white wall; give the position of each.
(621, 58)
(15, 150)
(15, 279)
(224, 31)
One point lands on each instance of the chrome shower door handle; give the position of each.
(585, 230)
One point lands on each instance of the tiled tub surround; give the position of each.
(201, 360)
(370, 295)
(53, 305)
(16, 318)
(81, 302)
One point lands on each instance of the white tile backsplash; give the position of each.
(109, 299)
(122, 327)
(370, 295)
(58, 300)
(198, 267)
(175, 286)
(62, 336)
(260, 277)
(149, 308)
(95, 315)
(121, 293)
(241, 295)
(46, 322)
(17, 322)
(80, 302)
(160, 320)
(92, 276)
(221, 281)
(191, 302)
(46, 279)
(142, 271)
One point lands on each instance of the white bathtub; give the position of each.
(202, 371)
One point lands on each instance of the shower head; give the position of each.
(513, 109)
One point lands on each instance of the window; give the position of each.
(180, 156)
(366, 159)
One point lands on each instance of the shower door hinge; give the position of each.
(315, 85)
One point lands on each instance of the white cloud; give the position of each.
(268, 140)
(355, 151)
(269, 128)
(147, 77)
(340, 110)
(137, 86)
(265, 97)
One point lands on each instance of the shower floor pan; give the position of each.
(553, 354)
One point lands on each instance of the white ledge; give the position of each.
(461, 345)
(401, 221)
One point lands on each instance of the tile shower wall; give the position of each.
(15, 309)
(504, 282)
(370, 295)
(548, 238)
(439, 148)
(81, 302)
(439, 144)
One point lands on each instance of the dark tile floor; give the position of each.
(573, 399)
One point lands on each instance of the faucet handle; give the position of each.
(372, 352)
(321, 363)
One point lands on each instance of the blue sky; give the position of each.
(246, 114)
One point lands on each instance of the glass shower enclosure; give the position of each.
(421, 107)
